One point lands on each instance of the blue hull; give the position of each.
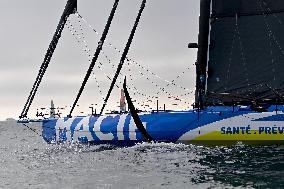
(215, 125)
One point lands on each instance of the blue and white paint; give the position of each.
(165, 126)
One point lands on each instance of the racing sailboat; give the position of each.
(239, 84)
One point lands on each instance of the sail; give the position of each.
(246, 52)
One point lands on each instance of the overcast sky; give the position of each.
(160, 45)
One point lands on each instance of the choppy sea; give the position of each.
(26, 161)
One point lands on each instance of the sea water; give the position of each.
(26, 161)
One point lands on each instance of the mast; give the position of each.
(202, 54)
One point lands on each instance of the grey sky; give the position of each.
(160, 44)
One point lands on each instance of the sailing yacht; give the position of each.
(239, 86)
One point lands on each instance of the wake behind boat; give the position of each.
(239, 84)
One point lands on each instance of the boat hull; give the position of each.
(223, 126)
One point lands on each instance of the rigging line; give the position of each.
(242, 51)
(128, 58)
(87, 50)
(100, 67)
(156, 75)
(78, 37)
(162, 89)
(275, 92)
(273, 36)
(176, 97)
(96, 55)
(240, 91)
(272, 12)
(148, 97)
(108, 59)
(133, 86)
(33, 130)
(70, 8)
(134, 89)
(125, 52)
(230, 56)
(98, 85)
(182, 95)
(175, 85)
(102, 51)
(81, 27)
(186, 94)
(105, 75)
(270, 44)
(172, 82)
(188, 68)
(82, 36)
(153, 97)
(159, 77)
(134, 92)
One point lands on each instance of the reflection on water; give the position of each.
(26, 161)
(246, 166)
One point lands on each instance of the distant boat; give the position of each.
(239, 86)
